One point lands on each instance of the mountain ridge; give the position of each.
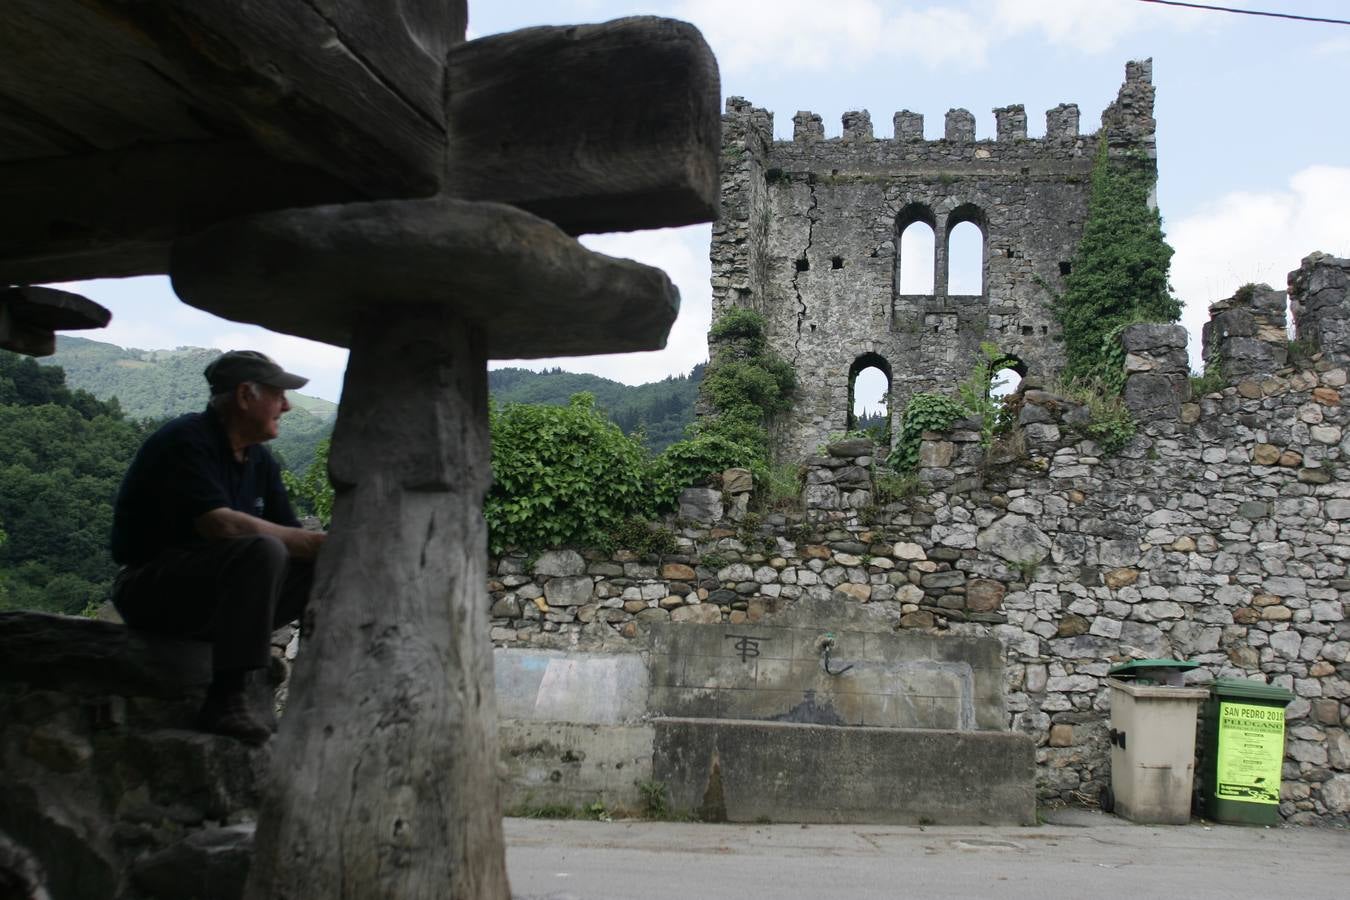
(158, 384)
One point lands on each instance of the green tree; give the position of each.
(311, 491)
(561, 474)
(4, 593)
(745, 385)
(62, 456)
(1119, 273)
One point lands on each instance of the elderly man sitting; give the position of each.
(209, 545)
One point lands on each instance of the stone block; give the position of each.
(211, 864)
(850, 448)
(702, 613)
(1336, 794)
(87, 656)
(984, 595)
(1151, 338)
(573, 763)
(1061, 736)
(700, 505)
(1153, 397)
(936, 454)
(856, 774)
(678, 572)
(560, 562)
(1015, 539)
(569, 590)
(737, 481)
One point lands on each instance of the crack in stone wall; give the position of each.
(1029, 197)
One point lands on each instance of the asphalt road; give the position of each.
(1076, 854)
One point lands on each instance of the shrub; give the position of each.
(312, 492)
(923, 412)
(694, 461)
(1119, 273)
(745, 385)
(561, 474)
(1109, 422)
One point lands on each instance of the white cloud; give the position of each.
(851, 34)
(1249, 236)
(683, 254)
(798, 34)
(1091, 26)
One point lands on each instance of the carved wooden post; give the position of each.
(390, 744)
(384, 775)
(384, 780)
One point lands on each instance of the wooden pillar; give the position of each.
(383, 778)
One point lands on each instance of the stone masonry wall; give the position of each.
(1219, 534)
(810, 236)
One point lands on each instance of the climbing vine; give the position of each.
(1119, 273)
(561, 474)
(923, 412)
(745, 385)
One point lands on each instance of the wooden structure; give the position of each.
(340, 170)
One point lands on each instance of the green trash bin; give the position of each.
(1242, 734)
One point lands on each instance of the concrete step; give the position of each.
(746, 771)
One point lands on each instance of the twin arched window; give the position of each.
(963, 252)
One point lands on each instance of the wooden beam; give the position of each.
(114, 214)
(31, 316)
(529, 289)
(610, 127)
(353, 87)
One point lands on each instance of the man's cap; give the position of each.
(232, 369)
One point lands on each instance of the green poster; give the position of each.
(1251, 752)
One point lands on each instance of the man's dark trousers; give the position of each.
(232, 592)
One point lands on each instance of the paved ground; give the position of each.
(1075, 854)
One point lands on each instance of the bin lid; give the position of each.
(1243, 689)
(1136, 667)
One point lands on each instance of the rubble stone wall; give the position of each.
(1219, 534)
(810, 236)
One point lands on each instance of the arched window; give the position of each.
(869, 391)
(965, 261)
(965, 252)
(917, 250)
(1004, 380)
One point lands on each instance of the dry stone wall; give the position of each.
(106, 790)
(810, 237)
(1219, 534)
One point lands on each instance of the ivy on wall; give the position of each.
(1119, 273)
(745, 385)
(923, 412)
(561, 475)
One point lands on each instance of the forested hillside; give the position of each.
(662, 409)
(63, 450)
(157, 384)
(160, 384)
(62, 456)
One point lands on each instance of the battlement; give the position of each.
(811, 237)
(1128, 119)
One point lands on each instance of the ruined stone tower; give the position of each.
(810, 237)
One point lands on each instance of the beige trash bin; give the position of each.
(1153, 750)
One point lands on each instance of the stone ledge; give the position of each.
(732, 770)
(76, 654)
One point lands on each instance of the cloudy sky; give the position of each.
(1253, 140)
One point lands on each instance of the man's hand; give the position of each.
(223, 523)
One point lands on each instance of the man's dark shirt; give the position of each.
(183, 470)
